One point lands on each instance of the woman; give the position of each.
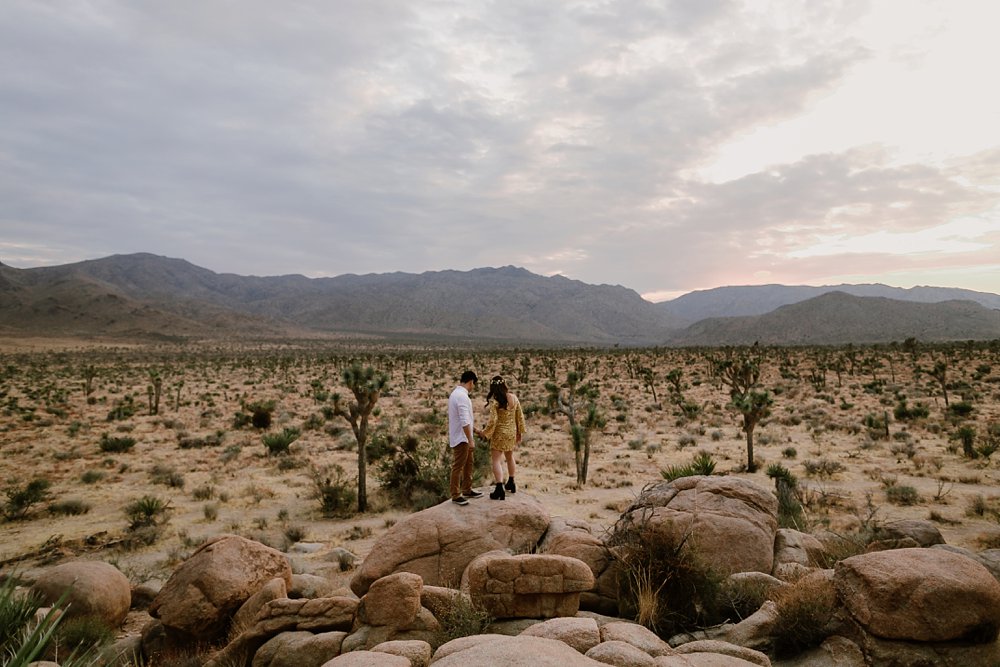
(503, 431)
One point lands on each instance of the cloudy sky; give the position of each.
(664, 146)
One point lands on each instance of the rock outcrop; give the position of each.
(527, 586)
(438, 543)
(209, 587)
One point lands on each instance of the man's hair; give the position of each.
(467, 376)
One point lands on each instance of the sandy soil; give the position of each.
(49, 429)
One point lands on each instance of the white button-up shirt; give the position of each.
(459, 416)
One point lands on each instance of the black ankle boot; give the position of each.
(510, 486)
(498, 493)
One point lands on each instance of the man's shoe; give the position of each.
(510, 486)
(472, 493)
(460, 501)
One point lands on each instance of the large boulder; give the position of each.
(93, 589)
(209, 587)
(438, 543)
(576, 539)
(299, 649)
(580, 633)
(510, 652)
(730, 523)
(920, 594)
(393, 600)
(528, 585)
(921, 531)
(793, 546)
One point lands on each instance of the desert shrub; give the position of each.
(294, 534)
(335, 493)
(805, 615)
(146, 512)
(878, 427)
(966, 435)
(701, 464)
(790, 513)
(230, 453)
(904, 412)
(86, 633)
(92, 476)
(960, 409)
(71, 507)
(415, 473)
(789, 452)
(20, 499)
(260, 413)
(210, 440)
(823, 468)
(167, 476)
(663, 584)
(203, 492)
(122, 410)
(902, 495)
(739, 598)
(686, 440)
(462, 618)
(314, 422)
(24, 637)
(116, 444)
(278, 443)
(241, 419)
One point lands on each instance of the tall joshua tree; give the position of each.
(367, 385)
(572, 396)
(741, 373)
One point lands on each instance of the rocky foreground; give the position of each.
(554, 585)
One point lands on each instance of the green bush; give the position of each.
(336, 494)
(278, 443)
(116, 444)
(69, 507)
(786, 487)
(260, 413)
(415, 474)
(147, 511)
(92, 476)
(961, 409)
(462, 618)
(701, 464)
(84, 633)
(902, 495)
(20, 499)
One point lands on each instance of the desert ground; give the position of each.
(834, 423)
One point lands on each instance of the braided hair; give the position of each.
(498, 390)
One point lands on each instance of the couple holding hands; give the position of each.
(503, 431)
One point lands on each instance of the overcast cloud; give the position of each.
(664, 146)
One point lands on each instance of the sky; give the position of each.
(666, 146)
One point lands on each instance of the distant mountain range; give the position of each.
(149, 296)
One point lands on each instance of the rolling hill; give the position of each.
(837, 318)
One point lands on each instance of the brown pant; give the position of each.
(461, 469)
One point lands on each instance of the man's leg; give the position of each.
(467, 470)
(458, 455)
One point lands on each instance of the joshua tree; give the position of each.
(742, 375)
(649, 380)
(367, 385)
(675, 378)
(940, 373)
(154, 391)
(566, 403)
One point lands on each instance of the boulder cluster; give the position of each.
(552, 586)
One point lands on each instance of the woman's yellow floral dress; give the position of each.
(504, 425)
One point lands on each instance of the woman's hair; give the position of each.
(498, 390)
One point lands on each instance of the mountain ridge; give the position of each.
(146, 294)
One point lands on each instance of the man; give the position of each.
(460, 430)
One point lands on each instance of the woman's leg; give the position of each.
(496, 460)
(510, 463)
